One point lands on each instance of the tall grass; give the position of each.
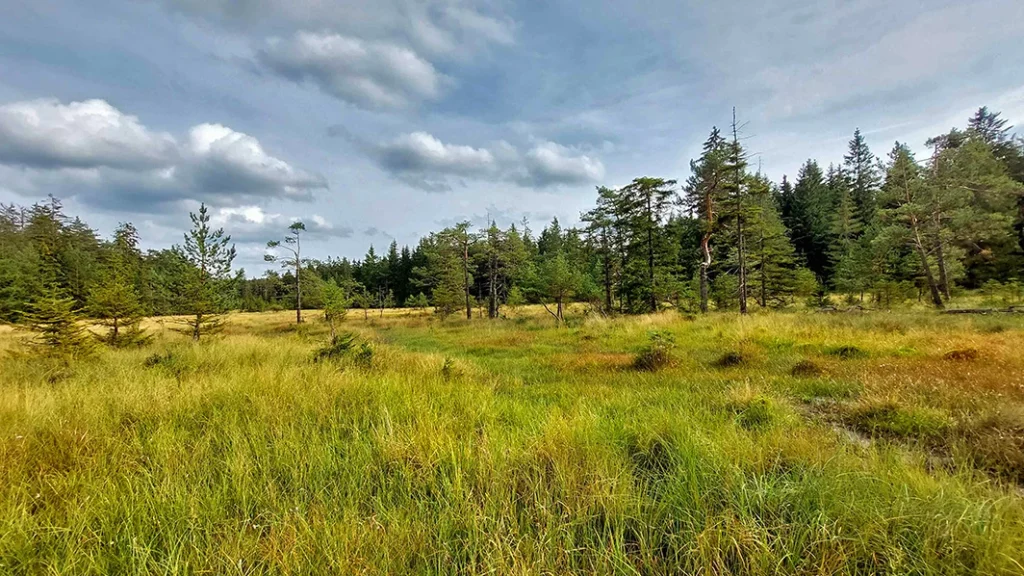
(537, 451)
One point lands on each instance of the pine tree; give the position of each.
(293, 244)
(906, 215)
(559, 280)
(210, 259)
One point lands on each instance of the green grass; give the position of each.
(514, 447)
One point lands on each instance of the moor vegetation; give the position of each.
(728, 376)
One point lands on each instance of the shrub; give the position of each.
(364, 357)
(449, 370)
(656, 354)
(337, 348)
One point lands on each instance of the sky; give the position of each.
(386, 120)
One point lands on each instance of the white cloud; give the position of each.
(441, 27)
(223, 162)
(46, 133)
(422, 152)
(109, 159)
(366, 73)
(426, 162)
(251, 224)
(550, 163)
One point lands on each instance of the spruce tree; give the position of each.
(704, 192)
(59, 333)
(114, 300)
(860, 164)
(210, 257)
(737, 208)
(771, 258)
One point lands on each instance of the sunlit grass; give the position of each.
(538, 450)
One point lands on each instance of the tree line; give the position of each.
(871, 229)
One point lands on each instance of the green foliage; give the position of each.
(114, 300)
(206, 280)
(57, 326)
(339, 346)
(656, 354)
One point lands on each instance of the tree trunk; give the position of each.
(703, 287)
(940, 260)
(298, 290)
(926, 267)
(607, 273)
(742, 259)
(465, 278)
(492, 301)
(650, 255)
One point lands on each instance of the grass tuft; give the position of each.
(806, 369)
(729, 360)
(657, 354)
(963, 355)
(846, 352)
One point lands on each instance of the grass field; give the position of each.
(786, 443)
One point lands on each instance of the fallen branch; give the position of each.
(1010, 310)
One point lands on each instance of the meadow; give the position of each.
(778, 443)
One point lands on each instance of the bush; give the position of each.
(656, 354)
(364, 357)
(450, 370)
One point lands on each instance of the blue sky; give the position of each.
(374, 121)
